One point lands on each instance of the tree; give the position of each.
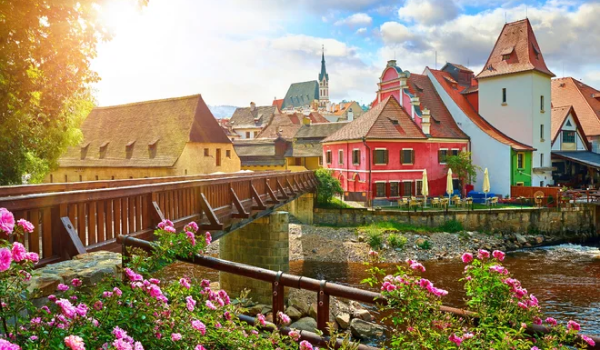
(327, 186)
(463, 167)
(45, 76)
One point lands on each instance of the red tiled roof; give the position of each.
(454, 91)
(283, 123)
(559, 115)
(517, 40)
(317, 118)
(278, 103)
(387, 120)
(568, 91)
(442, 123)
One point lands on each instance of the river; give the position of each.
(565, 278)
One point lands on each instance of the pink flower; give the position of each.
(117, 291)
(191, 238)
(417, 266)
(537, 320)
(199, 326)
(205, 283)
(170, 229)
(533, 300)
(304, 345)
(67, 309)
(210, 305)
(7, 221)
(522, 305)
(165, 223)
(208, 238)
(499, 255)
(588, 340)
(74, 342)
(62, 287)
(25, 225)
(98, 305)
(373, 253)
(76, 282)
(436, 291)
(18, 252)
(498, 269)
(551, 321)
(192, 226)
(119, 333)
(175, 337)
(199, 347)
(5, 259)
(132, 275)
(227, 315)
(122, 344)
(33, 257)
(261, 319)
(467, 258)
(455, 339)
(184, 283)
(424, 283)
(26, 275)
(573, 325)
(483, 254)
(190, 303)
(294, 335)
(155, 291)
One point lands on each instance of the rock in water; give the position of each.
(305, 324)
(343, 319)
(520, 238)
(365, 330)
(294, 313)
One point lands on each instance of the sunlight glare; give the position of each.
(119, 16)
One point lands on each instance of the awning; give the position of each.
(587, 158)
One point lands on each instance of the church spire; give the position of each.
(323, 69)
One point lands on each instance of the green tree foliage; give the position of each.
(463, 167)
(327, 186)
(45, 76)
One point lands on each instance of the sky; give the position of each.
(237, 51)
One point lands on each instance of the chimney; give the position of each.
(425, 121)
(252, 106)
(402, 77)
(414, 101)
(391, 63)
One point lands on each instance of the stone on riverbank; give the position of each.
(293, 313)
(343, 320)
(305, 324)
(365, 330)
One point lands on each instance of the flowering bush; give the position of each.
(503, 307)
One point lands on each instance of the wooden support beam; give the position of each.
(322, 308)
(210, 215)
(157, 214)
(238, 205)
(289, 185)
(282, 190)
(259, 203)
(274, 199)
(300, 185)
(74, 244)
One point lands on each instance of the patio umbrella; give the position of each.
(486, 182)
(449, 186)
(425, 187)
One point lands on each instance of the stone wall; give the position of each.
(301, 208)
(263, 243)
(548, 220)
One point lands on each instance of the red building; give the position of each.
(408, 129)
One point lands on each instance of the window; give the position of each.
(419, 187)
(51, 178)
(380, 156)
(541, 183)
(407, 156)
(206, 152)
(321, 160)
(442, 156)
(520, 160)
(255, 133)
(80, 178)
(503, 95)
(66, 178)
(568, 136)
(356, 157)
(505, 57)
(380, 189)
(340, 157)
(218, 157)
(112, 177)
(96, 177)
(568, 123)
(542, 131)
(228, 153)
(328, 154)
(541, 160)
(455, 152)
(247, 134)
(394, 189)
(185, 172)
(350, 110)
(542, 103)
(407, 188)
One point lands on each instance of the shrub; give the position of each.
(425, 245)
(327, 186)
(396, 241)
(375, 240)
(452, 226)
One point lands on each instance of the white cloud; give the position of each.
(428, 12)
(394, 32)
(357, 19)
(361, 31)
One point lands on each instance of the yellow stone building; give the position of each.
(168, 137)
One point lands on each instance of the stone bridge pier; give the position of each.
(262, 243)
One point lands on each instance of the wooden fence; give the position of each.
(529, 192)
(70, 223)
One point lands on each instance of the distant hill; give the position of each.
(221, 112)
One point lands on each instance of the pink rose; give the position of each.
(467, 258)
(33, 257)
(199, 347)
(74, 342)
(5, 259)
(18, 252)
(573, 325)
(175, 337)
(7, 221)
(208, 238)
(417, 266)
(184, 283)
(25, 225)
(76, 282)
(199, 326)
(62, 287)
(588, 340)
(304, 345)
(499, 255)
(455, 339)
(483, 254)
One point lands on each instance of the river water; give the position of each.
(565, 278)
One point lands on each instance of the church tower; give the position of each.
(323, 83)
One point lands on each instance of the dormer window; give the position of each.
(506, 53)
(129, 149)
(152, 147)
(536, 52)
(84, 149)
(505, 57)
(103, 148)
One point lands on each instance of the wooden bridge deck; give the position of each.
(69, 220)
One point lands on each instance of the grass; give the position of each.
(396, 241)
(394, 227)
(334, 204)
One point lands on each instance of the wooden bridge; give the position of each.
(74, 218)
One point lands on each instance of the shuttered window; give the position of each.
(394, 189)
(328, 157)
(407, 189)
(356, 157)
(442, 156)
(407, 156)
(380, 189)
(380, 156)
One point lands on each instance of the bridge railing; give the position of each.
(323, 289)
(74, 222)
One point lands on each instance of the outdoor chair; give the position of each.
(414, 203)
(402, 202)
(444, 202)
(456, 200)
(435, 202)
(467, 202)
(494, 201)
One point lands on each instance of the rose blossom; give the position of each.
(62, 287)
(294, 335)
(25, 225)
(588, 340)
(7, 221)
(210, 305)
(199, 326)
(76, 282)
(417, 266)
(499, 255)
(199, 347)
(455, 339)
(304, 345)
(74, 342)
(191, 238)
(165, 223)
(5, 259)
(483, 254)
(551, 321)
(33, 257)
(261, 319)
(573, 325)
(467, 258)
(184, 283)
(190, 303)
(208, 238)
(18, 252)
(175, 337)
